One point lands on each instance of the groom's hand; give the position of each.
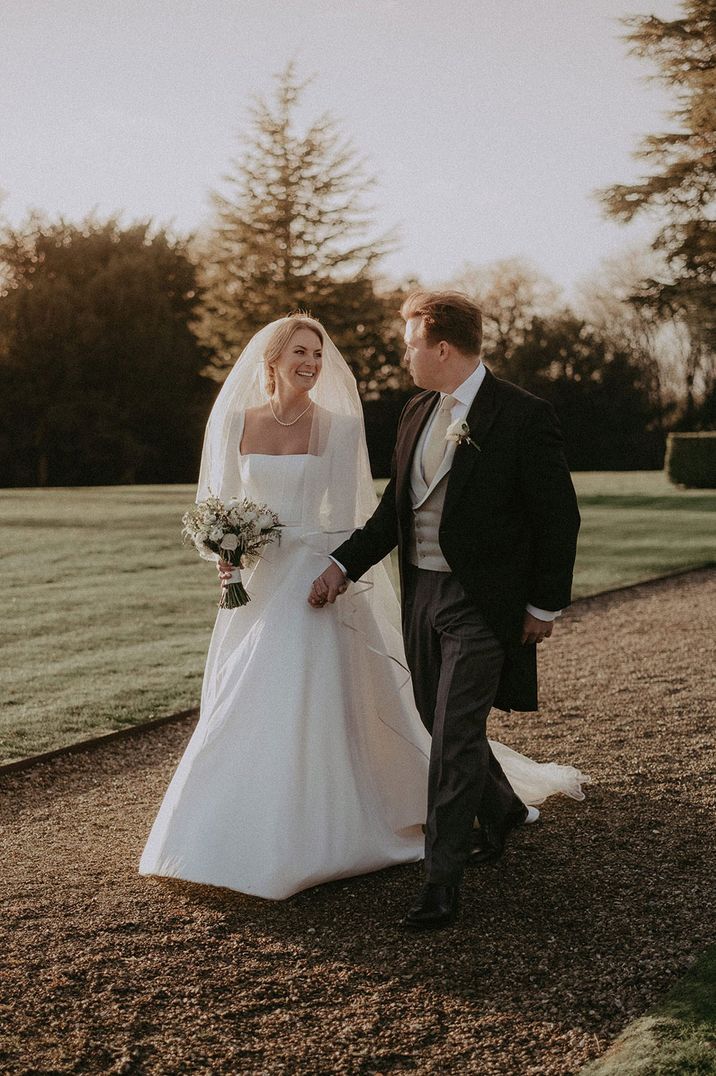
(535, 630)
(327, 587)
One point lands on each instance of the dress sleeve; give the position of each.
(220, 473)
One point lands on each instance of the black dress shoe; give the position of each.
(490, 840)
(436, 907)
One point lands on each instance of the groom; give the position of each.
(481, 506)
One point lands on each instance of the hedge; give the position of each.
(691, 459)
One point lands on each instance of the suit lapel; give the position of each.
(480, 417)
(412, 428)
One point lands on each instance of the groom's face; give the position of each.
(421, 358)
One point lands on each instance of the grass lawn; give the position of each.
(636, 525)
(107, 615)
(677, 1037)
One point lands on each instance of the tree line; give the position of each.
(114, 338)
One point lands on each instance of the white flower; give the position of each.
(237, 530)
(457, 431)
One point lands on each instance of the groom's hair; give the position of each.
(446, 315)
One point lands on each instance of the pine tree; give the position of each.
(292, 232)
(681, 187)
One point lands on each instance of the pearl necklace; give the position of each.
(295, 420)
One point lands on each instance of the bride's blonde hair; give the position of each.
(281, 338)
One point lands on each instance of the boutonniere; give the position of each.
(459, 433)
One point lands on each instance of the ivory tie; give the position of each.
(435, 443)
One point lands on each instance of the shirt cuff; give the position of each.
(541, 614)
(339, 565)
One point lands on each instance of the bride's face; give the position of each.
(299, 364)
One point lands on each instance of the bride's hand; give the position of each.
(327, 587)
(224, 568)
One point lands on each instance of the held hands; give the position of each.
(327, 587)
(535, 630)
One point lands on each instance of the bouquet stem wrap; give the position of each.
(233, 593)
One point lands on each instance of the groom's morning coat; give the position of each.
(509, 524)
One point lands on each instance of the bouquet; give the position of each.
(237, 531)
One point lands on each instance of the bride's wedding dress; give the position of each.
(309, 761)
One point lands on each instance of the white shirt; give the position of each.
(464, 396)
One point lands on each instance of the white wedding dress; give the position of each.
(309, 762)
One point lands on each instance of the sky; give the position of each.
(487, 123)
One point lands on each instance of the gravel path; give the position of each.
(582, 925)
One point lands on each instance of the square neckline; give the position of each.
(269, 455)
(274, 455)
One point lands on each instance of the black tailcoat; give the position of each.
(509, 524)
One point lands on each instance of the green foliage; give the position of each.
(97, 360)
(681, 186)
(691, 459)
(292, 233)
(606, 400)
(599, 371)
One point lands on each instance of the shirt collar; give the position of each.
(467, 391)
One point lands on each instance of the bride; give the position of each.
(309, 761)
